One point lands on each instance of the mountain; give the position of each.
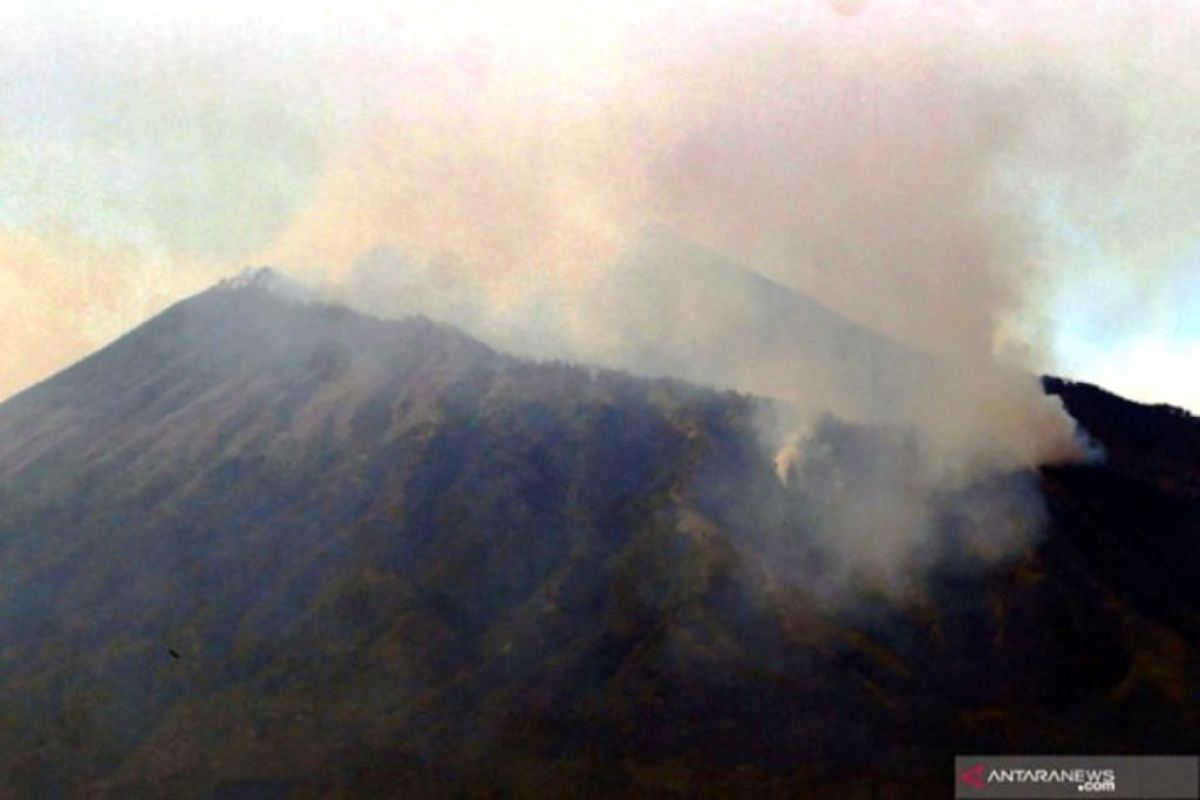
(267, 547)
(681, 310)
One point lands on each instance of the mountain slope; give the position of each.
(680, 310)
(275, 489)
(261, 547)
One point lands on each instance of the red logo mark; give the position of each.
(973, 777)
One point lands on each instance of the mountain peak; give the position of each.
(271, 280)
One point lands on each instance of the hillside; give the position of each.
(267, 548)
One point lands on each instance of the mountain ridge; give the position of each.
(393, 560)
(666, 307)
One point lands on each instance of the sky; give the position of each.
(981, 178)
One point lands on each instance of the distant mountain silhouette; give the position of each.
(681, 310)
(403, 564)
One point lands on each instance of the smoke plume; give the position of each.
(869, 211)
(873, 173)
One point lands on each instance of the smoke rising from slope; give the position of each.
(864, 166)
(929, 172)
(881, 169)
(869, 172)
(954, 173)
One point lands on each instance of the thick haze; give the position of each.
(975, 178)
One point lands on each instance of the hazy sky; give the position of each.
(974, 176)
